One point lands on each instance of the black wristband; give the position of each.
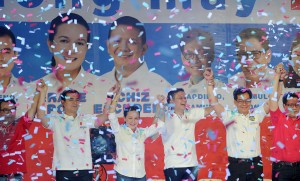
(110, 95)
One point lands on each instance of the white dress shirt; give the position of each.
(243, 133)
(130, 159)
(71, 138)
(178, 137)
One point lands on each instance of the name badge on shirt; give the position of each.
(252, 118)
(82, 126)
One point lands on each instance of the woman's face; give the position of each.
(125, 46)
(69, 46)
(296, 58)
(132, 120)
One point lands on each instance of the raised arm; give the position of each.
(33, 108)
(160, 109)
(41, 106)
(213, 100)
(280, 74)
(111, 100)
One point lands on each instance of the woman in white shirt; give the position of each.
(130, 161)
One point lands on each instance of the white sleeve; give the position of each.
(195, 114)
(154, 128)
(89, 120)
(227, 117)
(260, 113)
(114, 123)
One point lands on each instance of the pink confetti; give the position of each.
(157, 29)
(65, 18)
(156, 53)
(67, 139)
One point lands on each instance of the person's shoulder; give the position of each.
(183, 84)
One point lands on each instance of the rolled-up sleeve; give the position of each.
(114, 123)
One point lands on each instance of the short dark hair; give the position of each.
(131, 108)
(206, 39)
(11, 100)
(4, 31)
(241, 90)
(287, 95)
(172, 93)
(60, 20)
(63, 95)
(129, 21)
(256, 33)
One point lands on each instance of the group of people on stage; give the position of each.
(69, 84)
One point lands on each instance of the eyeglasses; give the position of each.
(247, 101)
(8, 111)
(250, 54)
(293, 105)
(190, 56)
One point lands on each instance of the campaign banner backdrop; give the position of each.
(162, 67)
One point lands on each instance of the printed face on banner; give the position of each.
(292, 107)
(253, 57)
(132, 120)
(7, 55)
(296, 58)
(193, 58)
(71, 104)
(8, 111)
(69, 46)
(243, 103)
(125, 47)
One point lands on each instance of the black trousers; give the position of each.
(74, 175)
(178, 174)
(250, 169)
(285, 171)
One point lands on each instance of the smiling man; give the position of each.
(242, 132)
(178, 137)
(127, 45)
(10, 86)
(72, 157)
(254, 55)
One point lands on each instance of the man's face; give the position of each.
(296, 58)
(7, 55)
(179, 100)
(132, 120)
(243, 103)
(71, 104)
(8, 111)
(292, 107)
(252, 57)
(69, 45)
(125, 46)
(193, 58)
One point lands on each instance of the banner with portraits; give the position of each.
(170, 46)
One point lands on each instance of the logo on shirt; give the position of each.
(252, 118)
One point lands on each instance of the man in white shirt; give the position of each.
(254, 55)
(178, 137)
(242, 132)
(72, 150)
(10, 86)
(127, 46)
